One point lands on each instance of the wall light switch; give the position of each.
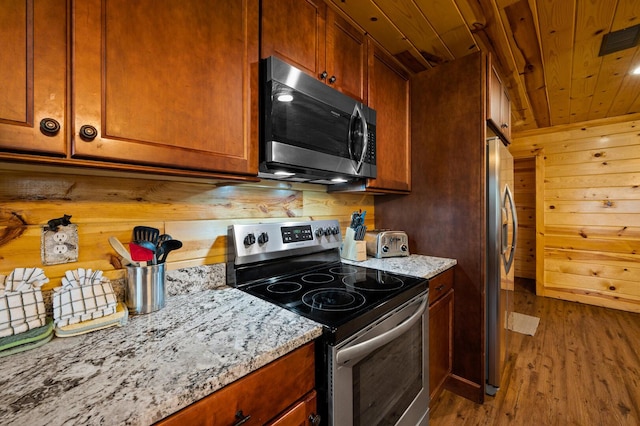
(59, 246)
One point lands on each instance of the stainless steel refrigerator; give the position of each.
(502, 229)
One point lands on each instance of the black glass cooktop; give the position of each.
(344, 298)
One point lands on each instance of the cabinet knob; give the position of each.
(332, 79)
(323, 75)
(241, 418)
(314, 419)
(88, 133)
(504, 125)
(49, 126)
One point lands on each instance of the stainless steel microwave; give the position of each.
(310, 132)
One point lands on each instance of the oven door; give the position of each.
(381, 374)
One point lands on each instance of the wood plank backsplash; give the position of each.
(195, 212)
(591, 210)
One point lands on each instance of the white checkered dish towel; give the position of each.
(83, 296)
(21, 303)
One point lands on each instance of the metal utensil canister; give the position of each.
(145, 290)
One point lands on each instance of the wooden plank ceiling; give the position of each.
(546, 50)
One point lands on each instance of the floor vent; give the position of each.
(620, 40)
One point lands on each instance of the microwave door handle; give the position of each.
(357, 114)
(346, 355)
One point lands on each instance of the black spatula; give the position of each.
(146, 233)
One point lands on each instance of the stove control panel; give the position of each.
(294, 234)
(263, 241)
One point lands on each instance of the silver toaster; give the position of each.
(386, 243)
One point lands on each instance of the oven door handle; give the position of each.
(344, 356)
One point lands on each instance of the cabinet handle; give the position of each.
(49, 126)
(314, 419)
(241, 418)
(504, 125)
(323, 75)
(332, 79)
(88, 133)
(440, 287)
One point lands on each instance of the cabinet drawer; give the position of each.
(263, 394)
(440, 285)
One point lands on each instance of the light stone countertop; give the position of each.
(155, 365)
(416, 265)
(207, 336)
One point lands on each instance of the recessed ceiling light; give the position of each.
(636, 71)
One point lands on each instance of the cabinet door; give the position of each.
(302, 413)
(389, 96)
(505, 108)
(294, 30)
(33, 75)
(498, 104)
(440, 342)
(346, 57)
(163, 82)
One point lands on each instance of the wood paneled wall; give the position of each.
(524, 171)
(591, 210)
(104, 204)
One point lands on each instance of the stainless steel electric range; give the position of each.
(372, 360)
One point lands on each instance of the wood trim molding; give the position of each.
(540, 243)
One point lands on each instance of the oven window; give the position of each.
(386, 382)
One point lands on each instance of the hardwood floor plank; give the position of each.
(582, 367)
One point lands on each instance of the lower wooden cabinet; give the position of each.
(280, 392)
(303, 413)
(440, 331)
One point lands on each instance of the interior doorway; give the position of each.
(524, 173)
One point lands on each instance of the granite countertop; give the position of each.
(416, 265)
(155, 365)
(207, 336)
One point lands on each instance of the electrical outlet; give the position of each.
(59, 246)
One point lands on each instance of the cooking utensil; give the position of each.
(148, 245)
(142, 254)
(146, 233)
(121, 250)
(159, 247)
(168, 246)
(162, 238)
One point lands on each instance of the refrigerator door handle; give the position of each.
(508, 196)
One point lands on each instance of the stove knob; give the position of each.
(385, 249)
(249, 239)
(403, 247)
(263, 238)
(335, 230)
(319, 232)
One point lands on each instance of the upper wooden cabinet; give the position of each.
(33, 75)
(317, 41)
(498, 104)
(389, 95)
(167, 83)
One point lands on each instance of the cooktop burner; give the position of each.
(333, 299)
(338, 296)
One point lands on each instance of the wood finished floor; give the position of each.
(582, 367)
